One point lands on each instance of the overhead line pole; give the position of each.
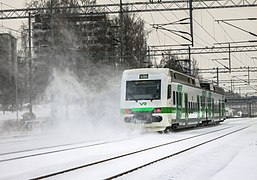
(191, 33)
(121, 31)
(191, 22)
(217, 76)
(248, 75)
(30, 66)
(229, 57)
(189, 57)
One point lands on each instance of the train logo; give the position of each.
(143, 103)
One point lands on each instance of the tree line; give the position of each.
(88, 44)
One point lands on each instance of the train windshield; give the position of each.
(143, 90)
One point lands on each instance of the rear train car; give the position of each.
(158, 99)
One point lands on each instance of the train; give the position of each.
(162, 99)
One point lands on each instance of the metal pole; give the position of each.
(148, 56)
(217, 76)
(16, 84)
(231, 88)
(189, 59)
(191, 22)
(229, 57)
(121, 31)
(248, 75)
(30, 67)
(52, 35)
(191, 32)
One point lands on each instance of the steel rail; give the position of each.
(55, 151)
(123, 155)
(177, 153)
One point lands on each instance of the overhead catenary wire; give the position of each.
(156, 31)
(196, 36)
(223, 30)
(188, 29)
(210, 34)
(214, 36)
(184, 26)
(231, 37)
(8, 5)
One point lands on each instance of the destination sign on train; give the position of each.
(143, 76)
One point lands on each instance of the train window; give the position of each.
(212, 106)
(193, 81)
(180, 98)
(143, 90)
(169, 91)
(175, 77)
(198, 103)
(203, 102)
(177, 98)
(174, 98)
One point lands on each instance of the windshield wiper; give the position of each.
(133, 98)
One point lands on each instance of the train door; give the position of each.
(179, 102)
(203, 103)
(198, 107)
(223, 108)
(186, 108)
(219, 109)
(169, 95)
(209, 105)
(212, 105)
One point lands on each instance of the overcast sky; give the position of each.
(206, 31)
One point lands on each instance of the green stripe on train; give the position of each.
(163, 109)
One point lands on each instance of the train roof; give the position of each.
(147, 70)
(212, 87)
(175, 75)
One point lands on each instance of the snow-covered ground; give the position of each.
(233, 157)
(79, 117)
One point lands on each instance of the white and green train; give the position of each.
(158, 99)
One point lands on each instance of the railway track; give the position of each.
(175, 154)
(140, 158)
(62, 146)
(59, 148)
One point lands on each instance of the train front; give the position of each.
(144, 98)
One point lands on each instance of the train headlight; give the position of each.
(128, 111)
(157, 110)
